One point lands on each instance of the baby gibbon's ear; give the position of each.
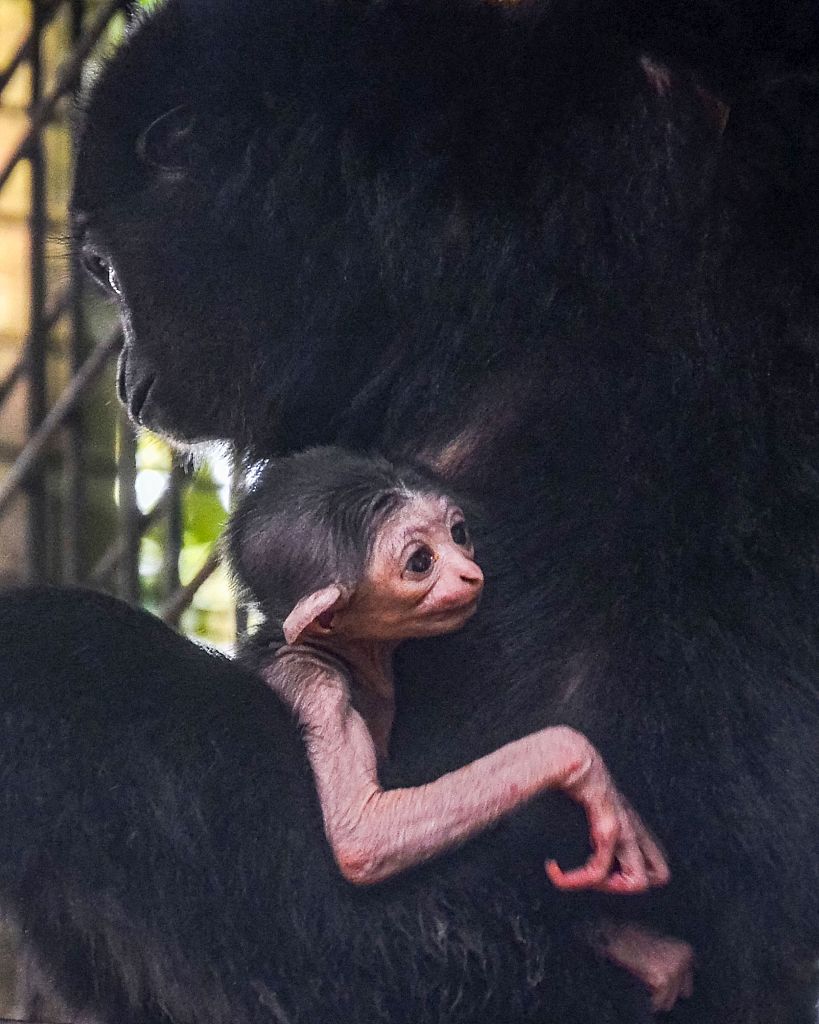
(313, 614)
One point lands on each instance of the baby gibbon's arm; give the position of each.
(376, 834)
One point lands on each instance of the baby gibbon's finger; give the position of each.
(588, 876)
(633, 867)
(656, 865)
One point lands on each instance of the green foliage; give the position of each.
(204, 512)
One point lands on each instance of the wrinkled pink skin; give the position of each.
(375, 834)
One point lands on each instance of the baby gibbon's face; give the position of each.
(422, 579)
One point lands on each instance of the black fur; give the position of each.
(478, 234)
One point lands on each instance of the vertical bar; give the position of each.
(74, 491)
(36, 350)
(175, 529)
(129, 588)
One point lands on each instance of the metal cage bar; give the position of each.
(52, 469)
(35, 353)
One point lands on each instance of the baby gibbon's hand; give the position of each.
(625, 856)
(665, 965)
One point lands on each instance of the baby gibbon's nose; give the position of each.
(470, 572)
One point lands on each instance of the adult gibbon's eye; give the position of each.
(101, 271)
(460, 533)
(420, 561)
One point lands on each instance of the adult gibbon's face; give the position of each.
(248, 302)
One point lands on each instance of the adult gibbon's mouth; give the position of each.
(139, 396)
(132, 388)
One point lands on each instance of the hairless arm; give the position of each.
(376, 834)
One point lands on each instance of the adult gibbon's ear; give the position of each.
(166, 143)
(314, 613)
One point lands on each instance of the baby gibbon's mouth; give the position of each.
(467, 609)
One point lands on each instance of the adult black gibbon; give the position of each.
(565, 254)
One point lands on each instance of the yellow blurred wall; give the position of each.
(15, 258)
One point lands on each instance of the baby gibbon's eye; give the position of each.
(420, 561)
(460, 533)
